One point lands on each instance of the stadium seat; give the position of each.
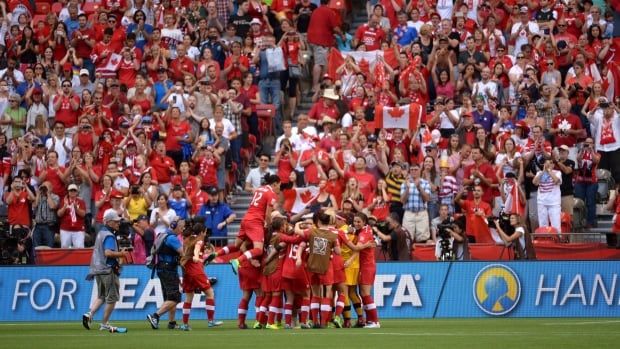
(56, 7)
(42, 8)
(90, 8)
(37, 18)
(547, 234)
(265, 113)
(567, 223)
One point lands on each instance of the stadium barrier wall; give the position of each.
(402, 290)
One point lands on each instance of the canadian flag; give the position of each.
(513, 203)
(301, 197)
(405, 117)
(109, 69)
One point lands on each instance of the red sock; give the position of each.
(187, 307)
(257, 303)
(339, 304)
(326, 310)
(274, 309)
(210, 306)
(227, 249)
(288, 314)
(250, 254)
(264, 309)
(371, 309)
(315, 305)
(242, 311)
(305, 309)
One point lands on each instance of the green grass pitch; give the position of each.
(558, 333)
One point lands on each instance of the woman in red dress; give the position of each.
(195, 252)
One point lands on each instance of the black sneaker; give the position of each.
(213, 280)
(153, 320)
(173, 325)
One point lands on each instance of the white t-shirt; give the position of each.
(160, 227)
(597, 126)
(522, 38)
(255, 177)
(480, 89)
(549, 192)
(228, 127)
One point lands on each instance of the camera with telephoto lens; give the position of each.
(504, 222)
(444, 238)
(13, 245)
(124, 237)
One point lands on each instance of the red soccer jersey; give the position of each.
(207, 170)
(175, 130)
(370, 37)
(19, 211)
(568, 122)
(477, 226)
(179, 65)
(65, 113)
(190, 185)
(127, 73)
(82, 49)
(289, 270)
(264, 197)
(161, 165)
(71, 221)
(487, 171)
(199, 199)
(367, 255)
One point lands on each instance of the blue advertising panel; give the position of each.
(532, 289)
(401, 290)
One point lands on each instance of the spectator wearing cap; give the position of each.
(415, 192)
(71, 214)
(324, 108)
(13, 119)
(36, 106)
(83, 83)
(143, 238)
(523, 31)
(217, 216)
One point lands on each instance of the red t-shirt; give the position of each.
(65, 113)
(487, 171)
(72, 221)
(175, 130)
(127, 73)
(179, 64)
(53, 176)
(370, 37)
(569, 121)
(190, 185)
(321, 27)
(82, 49)
(285, 168)
(106, 205)
(19, 209)
(477, 226)
(235, 71)
(263, 198)
(367, 184)
(161, 164)
(320, 109)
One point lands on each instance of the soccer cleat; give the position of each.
(114, 329)
(215, 323)
(185, 327)
(104, 327)
(257, 326)
(372, 325)
(242, 326)
(280, 326)
(317, 326)
(212, 281)
(360, 323)
(347, 323)
(234, 263)
(153, 320)
(86, 320)
(173, 325)
(337, 321)
(272, 327)
(305, 326)
(288, 327)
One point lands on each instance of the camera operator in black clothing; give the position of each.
(398, 238)
(452, 243)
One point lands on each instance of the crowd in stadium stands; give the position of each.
(170, 109)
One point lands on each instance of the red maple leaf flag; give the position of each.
(405, 117)
(303, 197)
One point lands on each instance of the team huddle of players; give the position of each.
(309, 273)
